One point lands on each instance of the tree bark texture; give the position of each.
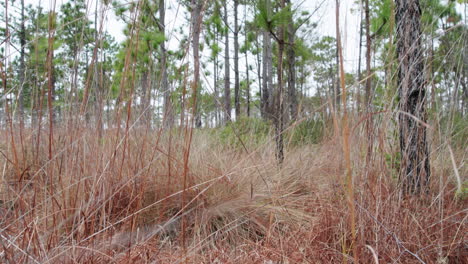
(291, 57)
(279, 118)
(227, 88)
(196, 28)
(236, 62)
(414, 167)
(369, 125)
(267, 87)
(168, 112)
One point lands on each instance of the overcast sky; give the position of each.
(325, 18)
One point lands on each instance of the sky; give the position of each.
(325, 17)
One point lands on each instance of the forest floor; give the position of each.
(136, 199)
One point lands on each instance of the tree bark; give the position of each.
(215, 82)
(51, 79)
(369, 125)
(248, 82)
(196, 28)
(265, 91)
(22, 65)
(430, 73)
(337, 93)
(236, 62)
(279, 118)
(368, 56)
(227, 88)
(415, 169)
(97, 79)
(145, 101)
(259, 76)
(168, 111)
(267, 105)
(291, 57)
(358, 90)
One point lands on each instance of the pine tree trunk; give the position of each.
(267, 106)
(464, 96)
(291, 57)
(415, 169)
(236, 62)
(359, 74)
(369, 125)
(259, 76)
(269, 59)
(265, 93)
(279, 117)
(22, 66)
(215, 82)
(368, 56)
(227, 88)
(430, 72)
(96, 78)
(168, 112)
(145, 101)
(37, 93)
(337, 93)
(248, 82)
(51, 81)
(196, 27)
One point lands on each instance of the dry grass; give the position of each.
(96, 203)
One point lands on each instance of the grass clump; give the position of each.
(248, 131)
(93, 204)
(456, 125)
(309, 131)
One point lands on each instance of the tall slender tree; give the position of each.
(368, 84)
(336, 93)
(267, 61)
(76, 33)
(51, 77)
(359, 73)
(236, 61)
(22, 70)
(227, 81)
(368, 54)
(168, 115)
(247, 70)
(279, 117)
(291, 60)
(415, 169)
(213, 28)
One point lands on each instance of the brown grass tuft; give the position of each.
(102, 206)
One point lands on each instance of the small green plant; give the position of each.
(393, 161)
(462, 194)
(308, 132)
(457, 125)
(249, 131)
(459, 132)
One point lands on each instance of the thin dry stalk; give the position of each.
(346, 145)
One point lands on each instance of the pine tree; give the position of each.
(227, 81)
(415, 169)
(236, 61)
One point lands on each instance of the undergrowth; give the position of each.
(98, 202)
(256, 132)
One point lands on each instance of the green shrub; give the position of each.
(459, 132)
(462, 194)
(255, 131)
(251, 131)
(307, 132)
(453, 127)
